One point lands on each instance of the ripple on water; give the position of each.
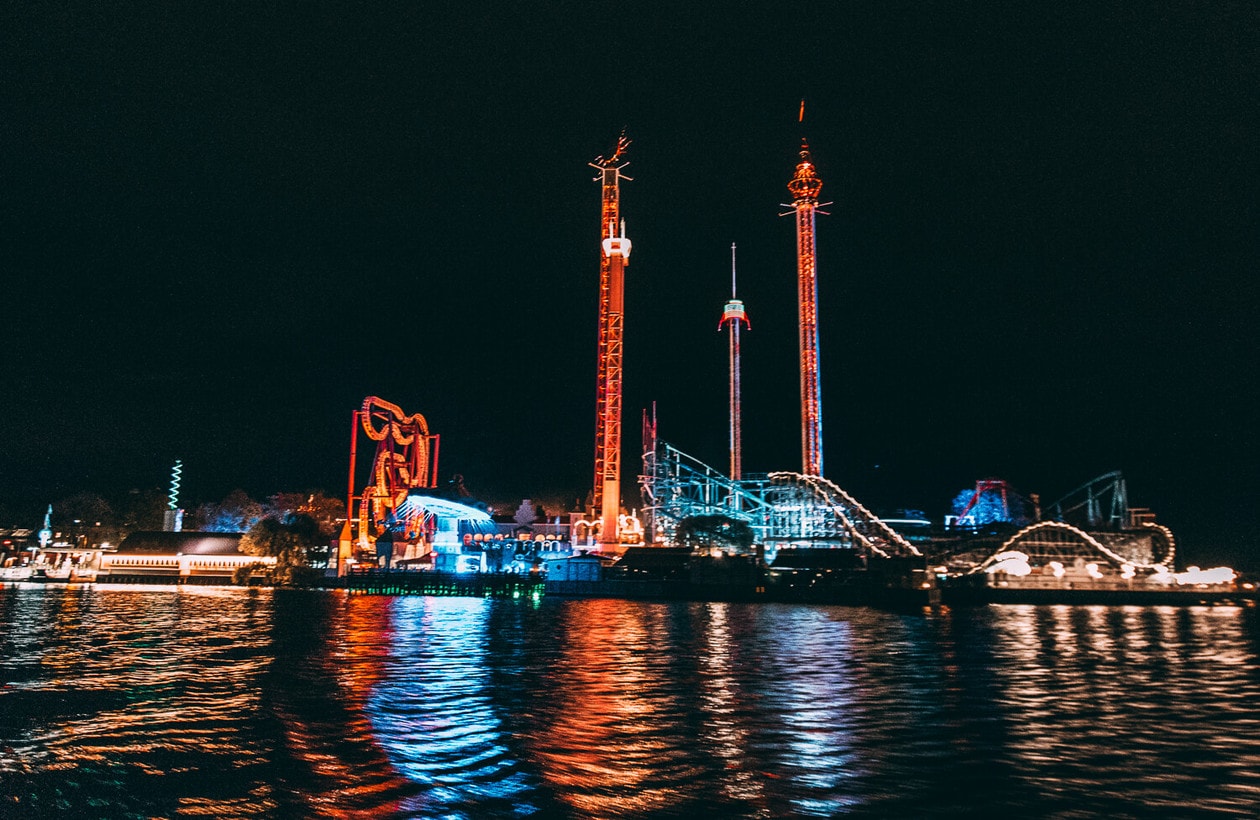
(250, 703)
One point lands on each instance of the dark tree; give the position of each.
(143, 510)
(286, 540)
(327, 511)
(86, 516)
(715, 532)
(235, 513)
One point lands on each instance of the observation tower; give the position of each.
(614, 258)
(732, 316)
(805, 187)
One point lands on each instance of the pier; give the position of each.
(428, 582)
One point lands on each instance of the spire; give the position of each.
(45, 535)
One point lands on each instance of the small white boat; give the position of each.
(22, 573)
(49, 572)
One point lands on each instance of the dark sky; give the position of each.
(224, 224)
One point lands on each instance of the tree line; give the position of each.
(91, 518)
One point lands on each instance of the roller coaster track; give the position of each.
(782, 507)
(863, 526)
(1033, 541)
(676, 486)
(1085, 503)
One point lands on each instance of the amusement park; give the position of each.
(704, 532)
(582, 411)
(695, 530)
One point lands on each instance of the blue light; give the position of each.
(176, 472)
(446, 508)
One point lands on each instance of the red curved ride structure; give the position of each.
(405, 459)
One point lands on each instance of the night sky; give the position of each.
(224, 224)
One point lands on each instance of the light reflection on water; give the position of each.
(133, 702)
(434, 714)
(607, 736)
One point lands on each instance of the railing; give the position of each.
(430, 582)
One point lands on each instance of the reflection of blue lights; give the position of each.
(432, 712)
(819, 712)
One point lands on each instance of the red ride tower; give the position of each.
(732, 316)
(613, 260)
(805, 187)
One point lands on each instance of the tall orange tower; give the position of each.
(613, 261)
(805, 187)
(732, 316)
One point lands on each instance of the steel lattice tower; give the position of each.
(805, 187)
(732, 316)
(613, 260)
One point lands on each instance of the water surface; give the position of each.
(166, 702)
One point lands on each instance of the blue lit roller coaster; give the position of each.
(1093, 529)
(784, 509)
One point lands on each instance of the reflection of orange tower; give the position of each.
(613, 261)
(805, 187)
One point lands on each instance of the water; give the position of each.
(164, 702)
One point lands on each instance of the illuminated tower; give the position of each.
(732, 316)
(45, 535)
(613, 261)
(173, 517)
(805, 187)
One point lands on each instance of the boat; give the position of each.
(50, 572)
(18, 573)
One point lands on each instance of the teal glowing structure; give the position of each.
(176, 473)
(173, 520)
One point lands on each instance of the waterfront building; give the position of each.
(179, 557)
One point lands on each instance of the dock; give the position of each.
(428, 582)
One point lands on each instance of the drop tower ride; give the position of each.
(732, 316)
(614, 258)
(805, 187)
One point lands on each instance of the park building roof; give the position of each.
(182, 543)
